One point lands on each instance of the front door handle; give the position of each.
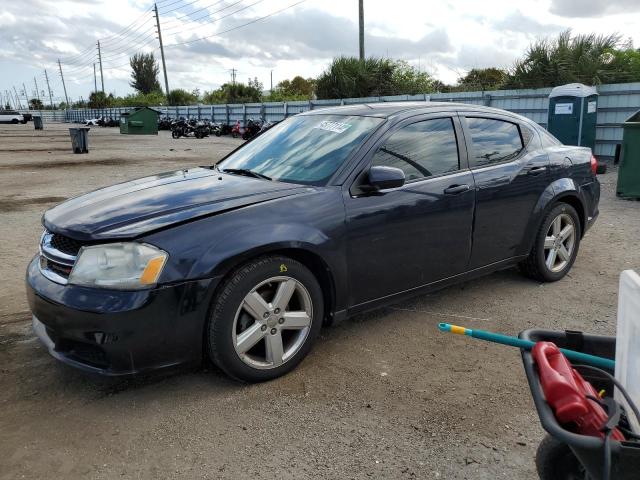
(456, 189)
(536, 170)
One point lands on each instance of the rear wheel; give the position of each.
(556, 245)
(14, 121)
(265, 320)
(556, 461)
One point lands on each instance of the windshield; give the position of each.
(304, 149)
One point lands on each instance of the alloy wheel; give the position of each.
(559, 242)
(272, 323)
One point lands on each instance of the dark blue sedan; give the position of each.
(327, 214)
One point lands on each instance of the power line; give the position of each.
(175, 19)
(239, 26)
(128, 27)
(178, 8)
(215, 20)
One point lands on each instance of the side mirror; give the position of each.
(383, 178)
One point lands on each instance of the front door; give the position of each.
(410, 236)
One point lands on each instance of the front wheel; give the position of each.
(265, 319)
(175, 133)
(556, 245)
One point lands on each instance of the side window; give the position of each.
(421, 150)
(493, 141)
(547, 139)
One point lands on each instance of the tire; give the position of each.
(218, 133)
(538, 265)
(252, 358)
(175, 133)
(15, 121)
(556, 461)
(234, 134)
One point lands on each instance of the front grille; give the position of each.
(65, 244)
(57, 256)
(60, 269)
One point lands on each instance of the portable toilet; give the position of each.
(573, 113)
(140, 121)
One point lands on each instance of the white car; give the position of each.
(11, 116)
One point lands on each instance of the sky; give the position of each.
(205, 39)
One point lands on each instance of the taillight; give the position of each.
(594, 165)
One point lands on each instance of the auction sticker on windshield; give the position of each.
(335, 127)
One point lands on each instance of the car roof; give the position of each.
(396, 109)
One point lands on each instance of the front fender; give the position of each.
(251, 242)
(208, 248)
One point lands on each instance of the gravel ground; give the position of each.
(383, 395)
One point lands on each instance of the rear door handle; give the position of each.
(536, 170)
(456, 189)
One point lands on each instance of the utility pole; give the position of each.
(48, 88)
(164, 65)
(63, 85)
(25, 95)
(271, 90)
(361, 15)
(95, 79)
(100, 60)
(18, 102)
(37, 91)
(233, 75)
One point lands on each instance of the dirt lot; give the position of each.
(383, 395)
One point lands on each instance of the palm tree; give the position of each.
(585, 58)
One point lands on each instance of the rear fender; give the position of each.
(556, 191)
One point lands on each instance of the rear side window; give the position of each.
(547, 139)
(422, 149)
(493, 141)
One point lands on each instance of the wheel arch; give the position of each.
(561, 191)
(573, 199)
(303, 254)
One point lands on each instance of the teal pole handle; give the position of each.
(572, 355)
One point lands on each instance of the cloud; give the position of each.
(517, 22)
(314, 35)
(593, 8)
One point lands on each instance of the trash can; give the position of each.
(79, 139)
(37, 123)
(629, 168)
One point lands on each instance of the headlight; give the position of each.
(124, 266)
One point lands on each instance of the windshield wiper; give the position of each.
(245, 171)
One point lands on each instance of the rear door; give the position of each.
(410, 236)
(511, 171)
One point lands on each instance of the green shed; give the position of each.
(140, 121)
(573, 111)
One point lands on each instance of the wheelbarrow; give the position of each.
(563, 454)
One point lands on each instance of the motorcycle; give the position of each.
(216, 129)
(235, 130)
(201, 129)
(181, 128)
(252, 129)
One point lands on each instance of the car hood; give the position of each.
(133, 208)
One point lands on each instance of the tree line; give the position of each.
(585, 58)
